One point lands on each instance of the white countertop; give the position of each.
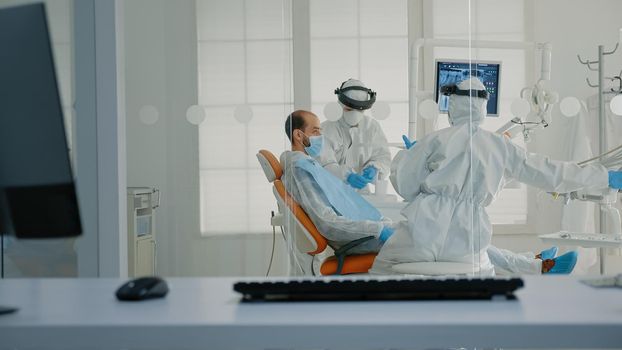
(551, 312)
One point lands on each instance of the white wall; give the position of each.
(160, 45)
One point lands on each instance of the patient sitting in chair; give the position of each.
(335, 208)
(343, 216)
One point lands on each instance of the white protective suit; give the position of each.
(337, 229)
(450, 176)
(350, 148)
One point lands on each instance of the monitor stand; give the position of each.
(7, 310)
(4, 309)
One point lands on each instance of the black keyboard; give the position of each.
(340, 289)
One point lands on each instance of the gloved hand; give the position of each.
(407, 142)
(370, 172)
(357, 181)
(615, 179)
(386, 233)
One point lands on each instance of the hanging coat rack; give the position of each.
(602, 141)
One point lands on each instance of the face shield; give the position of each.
(355, 98)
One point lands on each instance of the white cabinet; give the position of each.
(141, 245)
(144, 264)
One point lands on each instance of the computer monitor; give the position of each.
(37, 192)
(454, 71)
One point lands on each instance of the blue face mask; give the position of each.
(315, 145)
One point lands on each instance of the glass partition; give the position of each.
(210, 83)
(207, 84)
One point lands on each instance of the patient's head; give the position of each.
(300, 126)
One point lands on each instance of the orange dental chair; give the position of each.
(307, 238)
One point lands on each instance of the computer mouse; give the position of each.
(142, 288)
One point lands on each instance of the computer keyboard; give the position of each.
(396, 288)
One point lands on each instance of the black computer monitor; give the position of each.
(454, 71)
(37, 192)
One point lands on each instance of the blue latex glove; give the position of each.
(564, 264)
(615, 179)
(370, 172)
(357, 181)
(550, 253)
(385, 233)
(407, 142)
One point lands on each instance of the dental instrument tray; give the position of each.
(587, 240)
(342, 288)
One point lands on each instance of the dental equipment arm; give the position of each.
(607, 197)
(541, 99)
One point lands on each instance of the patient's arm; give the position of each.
(334, 227)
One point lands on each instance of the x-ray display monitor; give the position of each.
(453, 72)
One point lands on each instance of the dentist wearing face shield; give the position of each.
(356, 148)
(450, 176)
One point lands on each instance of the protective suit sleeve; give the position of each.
(330, 163)
(512, 262)
(334, 227)
(409, 170)
(551, 175)
(380, 156)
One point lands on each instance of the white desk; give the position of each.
(552, 312)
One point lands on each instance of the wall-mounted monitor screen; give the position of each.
(454, 71)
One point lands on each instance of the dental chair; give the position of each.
(304, 234)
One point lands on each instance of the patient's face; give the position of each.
(312, 125)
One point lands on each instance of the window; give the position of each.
(366, 40)
(244, 49)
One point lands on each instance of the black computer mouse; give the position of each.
(142, 288)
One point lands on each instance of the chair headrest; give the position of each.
(270, 165)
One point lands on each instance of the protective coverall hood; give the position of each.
(465, 109)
